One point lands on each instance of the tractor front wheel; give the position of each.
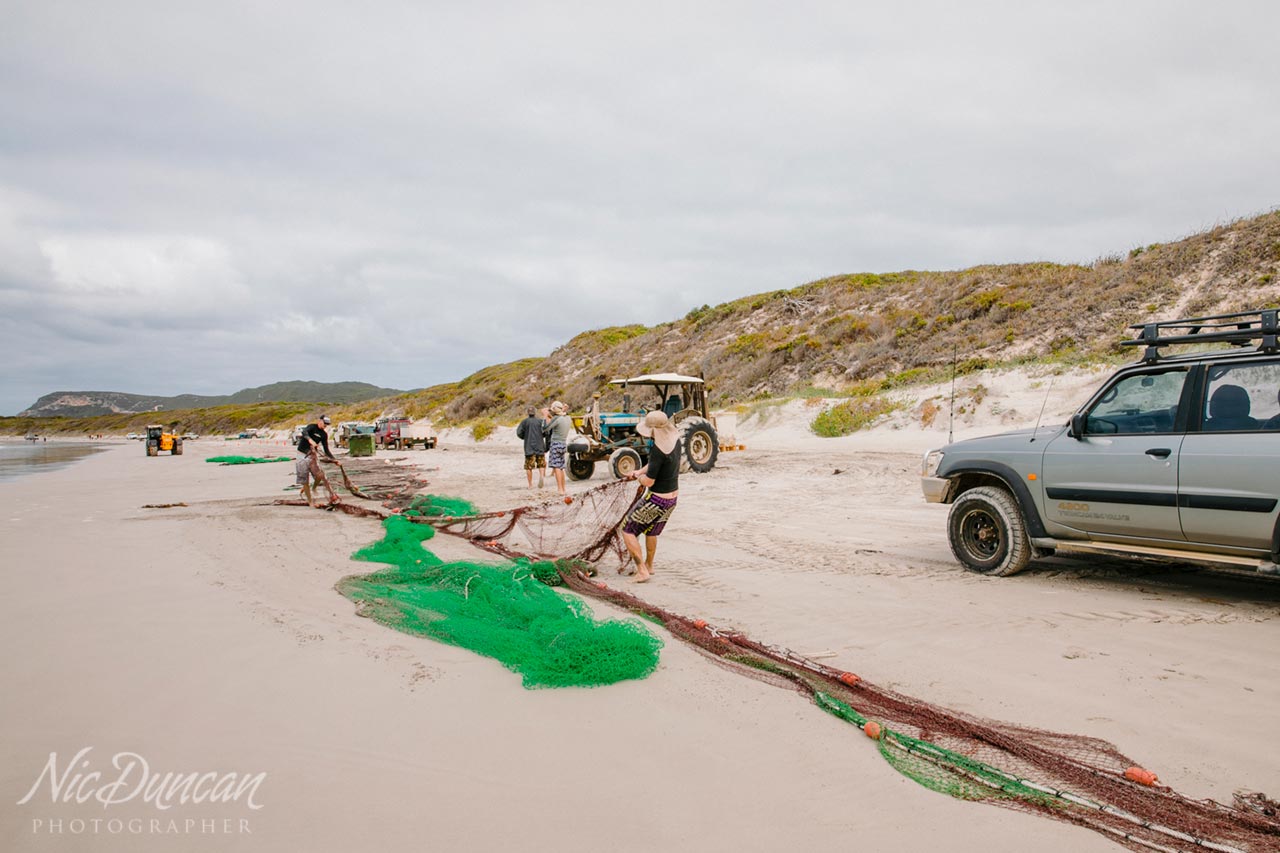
(177, 447)
(624, 462)
(581, 469)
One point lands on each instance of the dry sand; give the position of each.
(209, 638)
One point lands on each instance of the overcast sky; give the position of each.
(201, 197)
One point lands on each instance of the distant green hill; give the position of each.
(81, 404)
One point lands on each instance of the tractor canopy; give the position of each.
(675, 394)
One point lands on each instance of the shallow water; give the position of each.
(29, 457)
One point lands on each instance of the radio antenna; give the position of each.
(1036, 431)
(951, 416)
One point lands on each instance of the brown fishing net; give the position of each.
(1076, 778)
(584, 527)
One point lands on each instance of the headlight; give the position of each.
(929, 464)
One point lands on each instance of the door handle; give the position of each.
(1159, 452)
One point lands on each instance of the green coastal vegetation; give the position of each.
(855, 340)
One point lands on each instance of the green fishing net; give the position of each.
(500, 610)
(432, 506)
(245, 460)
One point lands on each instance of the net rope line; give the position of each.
(1085, 779)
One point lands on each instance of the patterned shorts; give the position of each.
(555, 456)
(302, 468)
(533, 461)
(649, 516)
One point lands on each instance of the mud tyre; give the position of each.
(153, 449)
(700, 443)
(177, 447)
(987, 533)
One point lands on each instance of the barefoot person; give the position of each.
(558, 442)
(661, 477)
(535, 446)
(306, 464)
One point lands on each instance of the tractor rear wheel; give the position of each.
(177, 447)
(701, 446)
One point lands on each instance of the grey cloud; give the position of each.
(407, 192)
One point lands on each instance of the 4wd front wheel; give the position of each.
(987, 533)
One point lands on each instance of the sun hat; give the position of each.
(658, 426)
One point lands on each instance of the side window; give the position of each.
(1244, 397)
(1138, 403)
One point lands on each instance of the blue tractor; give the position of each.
(612, 436)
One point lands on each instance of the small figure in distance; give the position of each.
(557, 433)
(306, 465)
(661, 477)
(535, 446)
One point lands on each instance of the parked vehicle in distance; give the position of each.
(131, 436)
(1174, 456)
(386, 431)
(346, 429)
(160, 439)
(189, 436)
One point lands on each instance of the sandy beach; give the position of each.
(209, 638)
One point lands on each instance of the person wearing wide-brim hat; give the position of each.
(661, 478)
(557, 432)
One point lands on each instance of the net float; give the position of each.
(1141, 776)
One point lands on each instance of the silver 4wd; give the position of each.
(1175, 456)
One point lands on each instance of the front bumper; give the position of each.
(936, 489)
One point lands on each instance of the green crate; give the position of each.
(360, 445)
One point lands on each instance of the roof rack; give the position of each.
(1237, 329)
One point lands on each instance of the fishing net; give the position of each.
(504, 610)
(1076, 778)
(245, 460)
(439, 506)
(584, 527)
(394, 486)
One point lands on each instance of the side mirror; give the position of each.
(1077, 426)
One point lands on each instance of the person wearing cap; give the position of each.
(306, 464)
(661, 478)
(557, 433)
(535, 446)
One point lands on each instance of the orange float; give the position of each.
(1141, 776)
(873, 729)
(849, 678)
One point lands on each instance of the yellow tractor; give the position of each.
(159, 439)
